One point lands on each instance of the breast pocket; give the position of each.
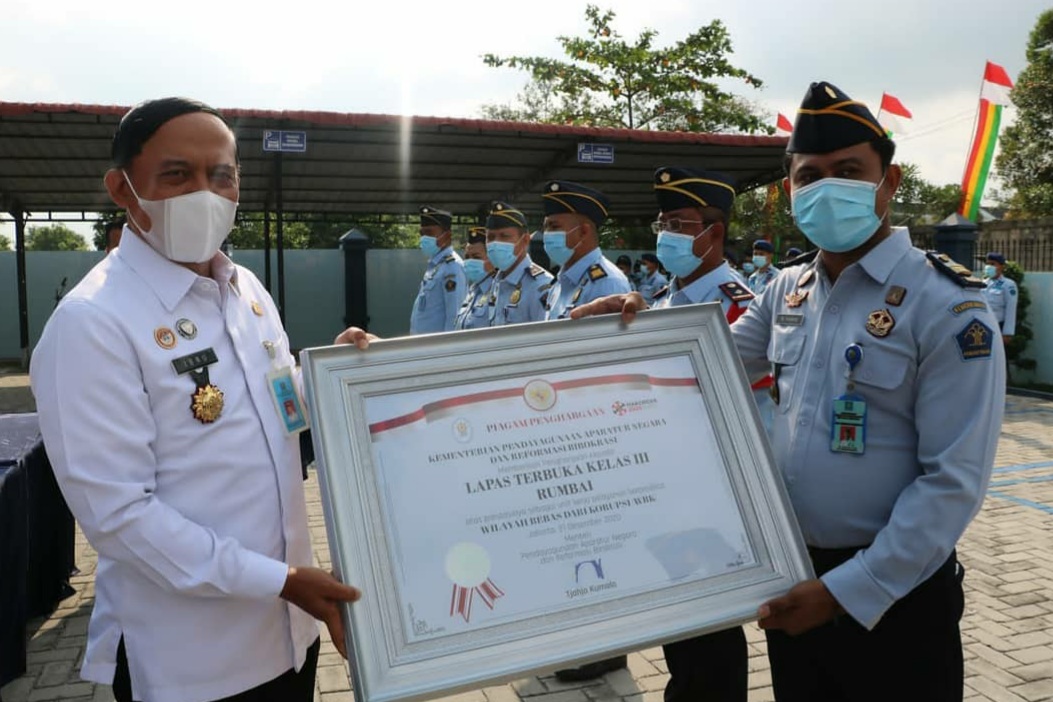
(784, 351)
(882, 369)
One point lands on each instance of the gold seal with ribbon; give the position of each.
(207, 403)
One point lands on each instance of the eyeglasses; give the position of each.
(673, 225)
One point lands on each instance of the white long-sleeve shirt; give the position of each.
(195, 524)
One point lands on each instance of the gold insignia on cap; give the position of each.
(425, 210)
(186, 329)
(830, 92)
(554, 187)
(880, 323)
(257, 309)
(664, 177)
(207, 403)
(165, 338)
(895, 295)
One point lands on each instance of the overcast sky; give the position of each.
(391, 56)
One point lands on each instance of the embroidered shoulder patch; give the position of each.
(950, 268)
(451, 284)
(975, 341)
(736, 291)
(968, 305)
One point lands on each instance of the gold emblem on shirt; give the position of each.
(165, 338)
(257, 309)
(516, 294)
(207, 403)
(880, 323)
(796, 298)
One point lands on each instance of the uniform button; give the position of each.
(818, 363)
(833, 309)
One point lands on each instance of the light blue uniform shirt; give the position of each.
(442, 291)
(760, 279)
(933, 384)
(705, 289)
(475, 310)
(652, 284)
(520, 296)
(1001, 296)
(589, 278)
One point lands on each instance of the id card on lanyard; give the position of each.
(848, 427)
(282, 387)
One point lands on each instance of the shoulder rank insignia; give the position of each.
(895, 295)
(736, 291)
(952, 269)
(545, 286)
(577, 296)
(536, 270)
(806, 257)
(451, 284)
(596, 272)
(449, 259)
(660, 293)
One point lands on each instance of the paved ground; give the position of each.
(1007, 627)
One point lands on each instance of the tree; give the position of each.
(1026, 159)
(609, 82)
(248, 233)
(54, 237)
(918, 201)
(101, 225)
(5, 243)
(764, 213)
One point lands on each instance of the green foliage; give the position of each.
(611, 82)
(1023, 336)
(918, 201)
(54, 237)
(5, 243)
(1025, 162)
(764, 213)
(101, 225)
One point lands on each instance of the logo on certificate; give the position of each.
(468, 566)
(462, 430)
(539, 395)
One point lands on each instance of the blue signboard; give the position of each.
(279, 140)
(595, 153)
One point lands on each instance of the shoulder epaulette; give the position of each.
(953, 270)
(449, 259)
(596, 272)
(660, 293)
(536, 271)
(806, 257)
(736, 291)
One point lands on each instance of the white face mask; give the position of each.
(187, 228)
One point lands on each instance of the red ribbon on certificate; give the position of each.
(462, 598)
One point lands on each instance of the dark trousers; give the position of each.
(914, 652)
(708, 668)
(290, 686)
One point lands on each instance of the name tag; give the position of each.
(282, 388)
(194, 361)
(790, 320)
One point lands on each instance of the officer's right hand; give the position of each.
(359, 337)
(320, 594)
(627, 303)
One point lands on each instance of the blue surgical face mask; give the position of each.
(556, 247)
(837, 214)
(502, 254)
(429, 245)
(760, 261)
(675, 253)
(474, 269)
(990, 271)
(748, 267)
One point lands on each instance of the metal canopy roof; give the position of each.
(53, 156)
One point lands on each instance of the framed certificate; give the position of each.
(531, 497)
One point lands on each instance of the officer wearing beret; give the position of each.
(573, 216)
(1001, 295)
(444, 286)
(763, 271)
(652, 280)
(475, 311)
(889, 383)
(521, 287)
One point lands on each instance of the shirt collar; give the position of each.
(169, 280)
(573, 274)
(880, 261)
(443, 253)
(699, 290)
(517, 273)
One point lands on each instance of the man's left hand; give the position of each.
(359, 337)
(806, 606)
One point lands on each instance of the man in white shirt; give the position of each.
(155, 384)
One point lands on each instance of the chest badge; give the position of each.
(796, 298)
(516, 294)
(186, 329)
(257, 309)
(880, 323)
(165, 338)
(206, 402)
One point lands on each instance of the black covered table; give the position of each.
(36, 538)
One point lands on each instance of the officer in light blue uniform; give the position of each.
(444, 285)
(763, 270)
(521, 287)
(652, 280)
(573, 216)
(1001, 294)
(889, 379)
(475, 311)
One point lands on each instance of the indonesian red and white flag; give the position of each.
(894, 116)
(783, 126)
(996, 85)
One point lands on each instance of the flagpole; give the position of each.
(972, 140)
